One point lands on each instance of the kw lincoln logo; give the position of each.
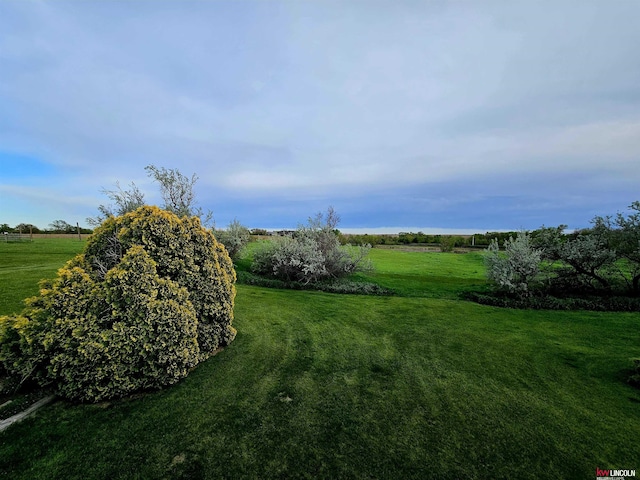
(620, 474)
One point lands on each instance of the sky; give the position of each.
(438, 116)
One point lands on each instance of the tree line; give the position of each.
(57, 226)
(447, 242)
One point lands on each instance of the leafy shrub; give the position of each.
(517, 267)
(303, 259)
(185, 253)
(312, 254)
(147, 340)
(150, 297)
(342, 286)
(19, 354)
(291, 259)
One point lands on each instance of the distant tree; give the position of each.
(60, 226)
(124, 201)
(258, 231)
(4, 227)
(26, 227)
(485, 238)
(364, 239)
(177, 192)
(406, 237)
(449, 242)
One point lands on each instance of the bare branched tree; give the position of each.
(177, 192)
(109, 256)
(176, 189)
(124, 201)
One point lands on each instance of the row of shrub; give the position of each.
(343, 285)
(446, 242)
(550, 302)
(57, 227)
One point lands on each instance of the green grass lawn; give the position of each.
(434, 275)
(316, 385)
(24, 264)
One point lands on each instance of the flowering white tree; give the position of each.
(313, 253)
(585, 257)
(515, 269)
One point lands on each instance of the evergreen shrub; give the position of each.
(150, 297)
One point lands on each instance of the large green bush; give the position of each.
(150, 297)
(184, 252)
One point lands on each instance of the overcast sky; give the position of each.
(439, 116)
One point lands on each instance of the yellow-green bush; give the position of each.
(150, 297)
(185, 253)
(20, 355)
